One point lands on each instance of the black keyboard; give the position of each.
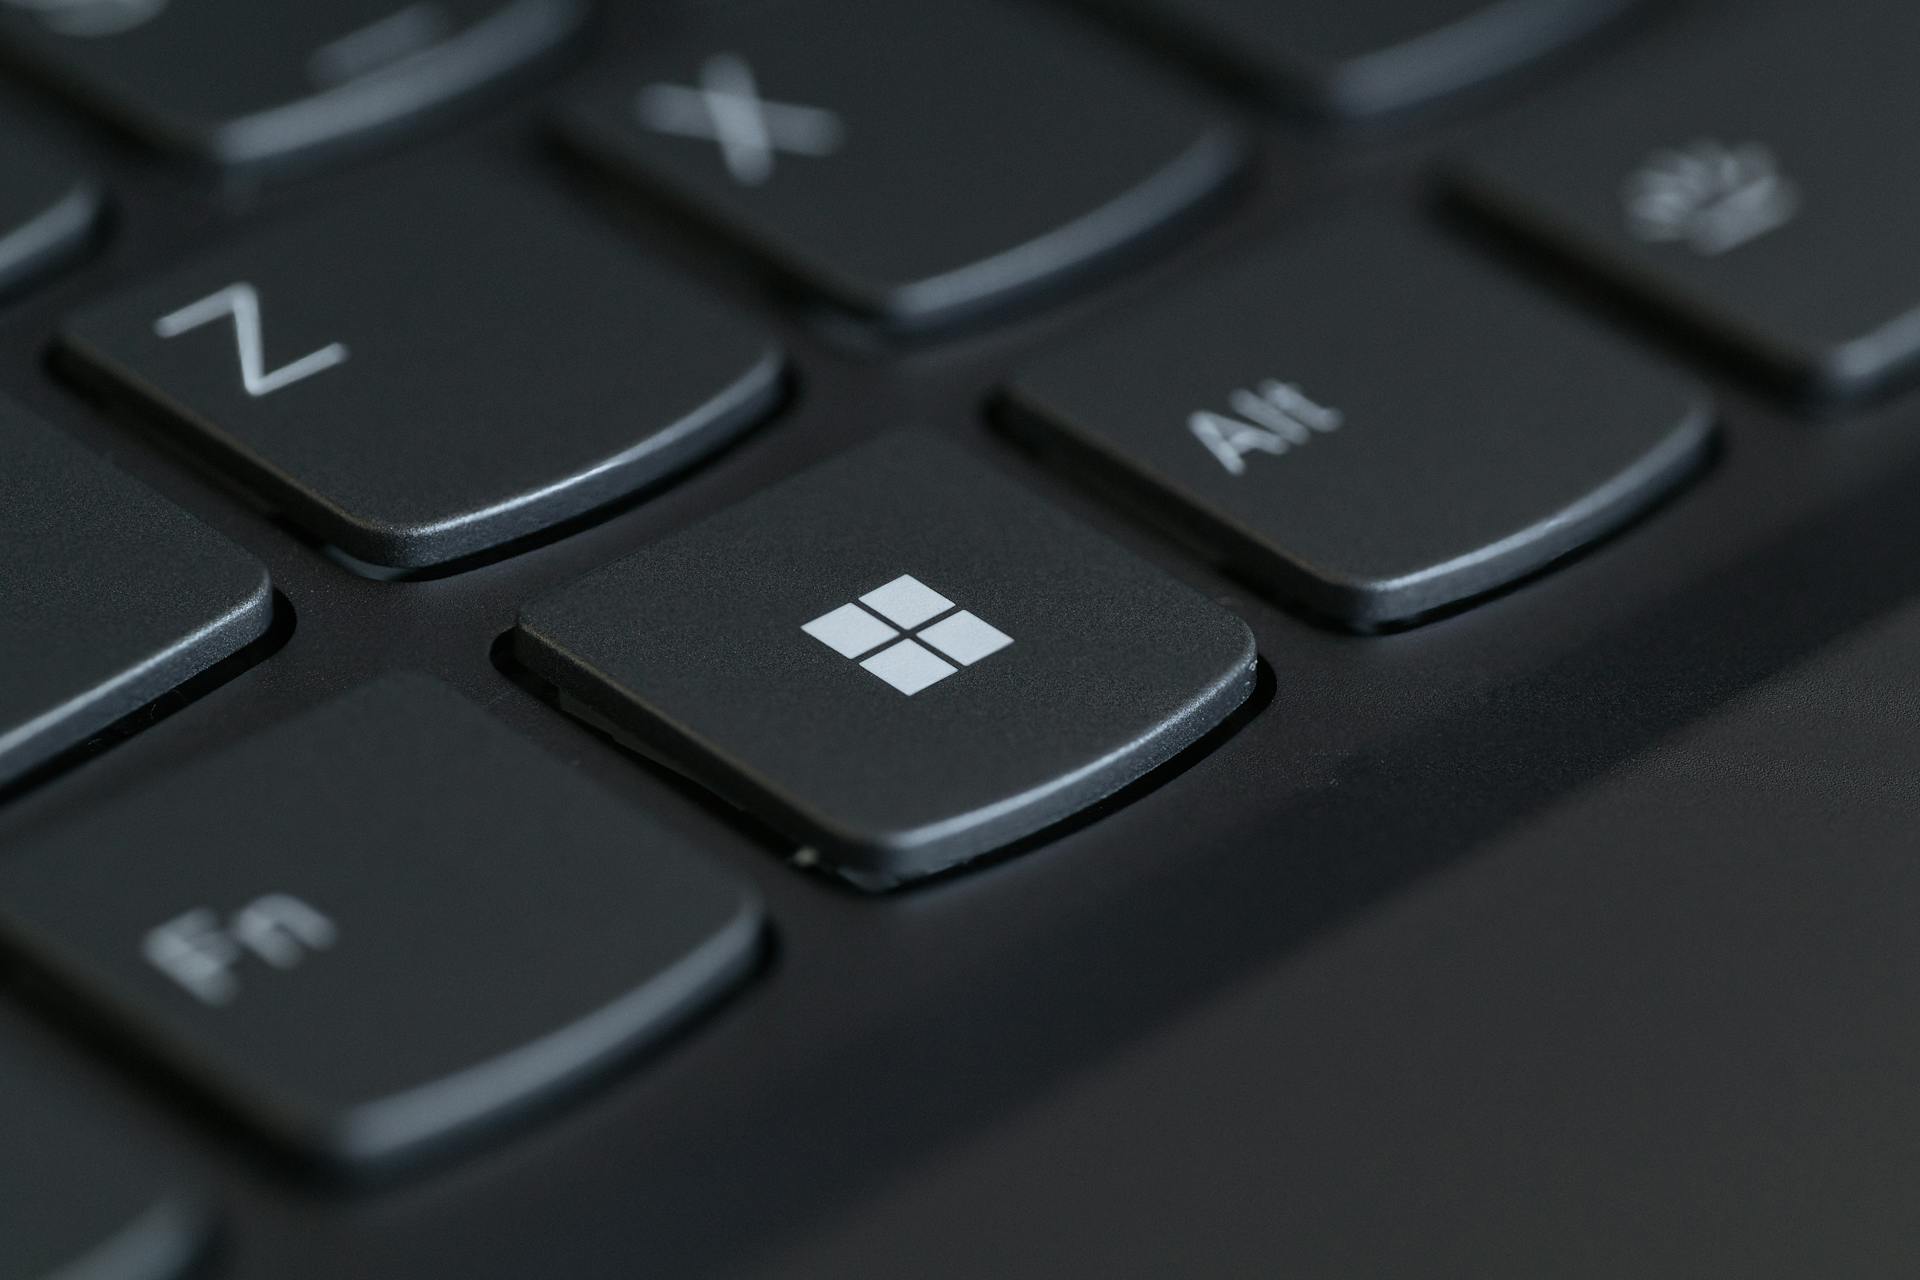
(1003, 637)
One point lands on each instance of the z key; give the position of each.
(451, 362)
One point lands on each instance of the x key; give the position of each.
(727, 109)
(946, 159)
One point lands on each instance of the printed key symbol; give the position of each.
(727, 109)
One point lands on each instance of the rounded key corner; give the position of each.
(381, 549)
(402, 1132)
(165, 1241)
(347, 428)
(1220, 701)
(735, 946)
(54, 238)
(1363, 607)
(249, 906)
(258, 608)
(885, 862)
(881, 862)
(1246, 645)
(1874, 364)
(1444, 64)
(385, 76)
(258, 596)
(782, 144)
(398, 548)
(170, 1239)
(1695, 436)
(1371, 606)
(1026, 275)
(748, 934)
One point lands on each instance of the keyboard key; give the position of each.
(1759, 191)
(911, 163)
(239, 82)
(48, 207)
(1352, 59)
(379, 927)
(109, 596)
(452, 362)
(1367, 421)
(74, 1203)
(900, 658)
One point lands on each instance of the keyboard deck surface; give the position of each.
(993, 1071)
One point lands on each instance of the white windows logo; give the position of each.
(913, 634)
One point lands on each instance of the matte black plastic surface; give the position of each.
(911, 162)
(1366, 420)
(379, 927)
(1761, 191)
(242, 81)
(1361, 58)
(75, 1202)
(1664, 1030)
(444, 364)
(901, 658)
(48, 206)
(109, 595)
(887, 1036)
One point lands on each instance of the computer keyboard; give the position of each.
(398, 796)
(1430, 506)
(1762, 228)
(235, 83)
(625, 623)
(883, 229)
(462, 320)
(1126, 666)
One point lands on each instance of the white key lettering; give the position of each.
(199, 953)
(1272, 419)
(726, 108)
(241, 302)
(1708, 196)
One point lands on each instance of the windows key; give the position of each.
(898, 658)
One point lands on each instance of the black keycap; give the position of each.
(1354, 59)
(453, 361)
(1366, 420)
(239, 81)
(897, 656)
(910, 162)
(75, 1204)
(379, 926)
(48, 207)
(1758, 186)
(109, 596)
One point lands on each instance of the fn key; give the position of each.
(380, 927)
